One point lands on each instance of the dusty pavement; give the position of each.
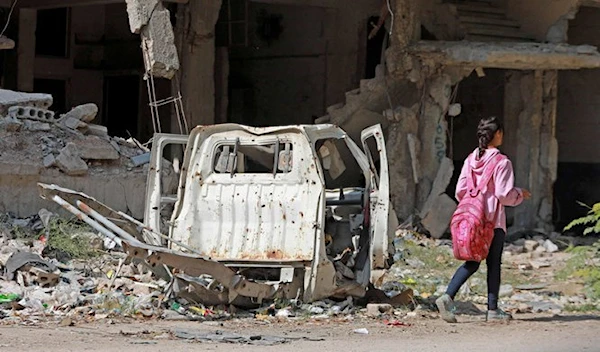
(527, 333)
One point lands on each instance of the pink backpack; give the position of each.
(472, 232)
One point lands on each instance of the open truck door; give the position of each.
(382, 215)
(160, 197)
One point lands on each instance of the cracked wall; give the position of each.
(531, 97)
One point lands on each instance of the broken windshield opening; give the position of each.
(338, 164)
(238, 158)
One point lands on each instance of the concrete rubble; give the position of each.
(44, 282)
(152, 21)
(533, 269)
(37, 145)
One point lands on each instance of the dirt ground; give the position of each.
(529, 333)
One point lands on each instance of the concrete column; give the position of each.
(433, 132)
(195, 34)
(26, 49)
(530, 96)
(402, 168)
(548, 149)
(407, 24)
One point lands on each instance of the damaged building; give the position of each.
(427, 77)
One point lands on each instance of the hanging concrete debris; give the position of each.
(152, 21)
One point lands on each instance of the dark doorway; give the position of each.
(52, 32)
(57, 88)
(374, 47)
(479, 97)
(121, 105)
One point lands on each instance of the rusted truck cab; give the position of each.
(258, 200)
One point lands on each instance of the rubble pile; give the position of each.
(531, 278)
(41, 284)
(37, 145)
(70, 142)
(44, 279)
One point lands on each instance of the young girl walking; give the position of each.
(498, 193)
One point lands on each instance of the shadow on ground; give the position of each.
(562, 318)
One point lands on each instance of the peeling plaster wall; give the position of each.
(538, 16)
(433, 132)
(530, 99)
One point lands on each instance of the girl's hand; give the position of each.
(526, 194)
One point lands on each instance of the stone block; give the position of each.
(73, 123)
(85, 112)
(97, 130)
(375, 310)
(96, 148)
(438, 217)
(69, 161)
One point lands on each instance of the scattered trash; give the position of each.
(9, 297)
(395, 323)
(361, 331)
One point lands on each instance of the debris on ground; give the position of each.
(61, 270)
(69, 142)
(37, 145)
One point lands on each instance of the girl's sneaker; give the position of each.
(497, 315)
(445, 305)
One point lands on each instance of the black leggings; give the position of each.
(493, 261)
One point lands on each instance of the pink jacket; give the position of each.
(500, 191)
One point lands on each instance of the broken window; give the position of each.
(52, 32)
(338, 164)
(232, 26)
(240, 158)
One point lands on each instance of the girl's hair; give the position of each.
(486, 130)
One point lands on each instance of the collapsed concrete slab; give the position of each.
(9, 98)
(95, 148)
(518, 56)
(32, 151)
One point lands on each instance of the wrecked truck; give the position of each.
(259, 213)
